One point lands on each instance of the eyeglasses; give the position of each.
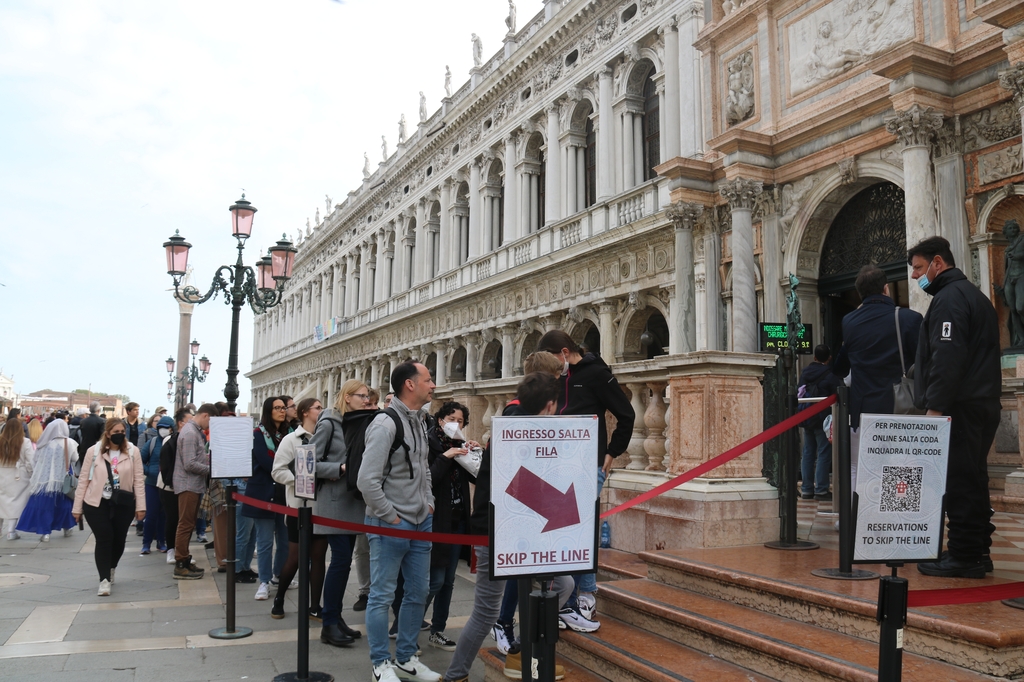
(290, 407)
(279, 407)
(362, 396)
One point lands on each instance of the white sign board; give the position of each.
(901, 478)
(305, 472)
(230, 447)
(544, 495)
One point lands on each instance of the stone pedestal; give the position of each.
(715, 402)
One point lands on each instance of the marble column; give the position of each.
(375, 365)
(380, 272)
(337, 300)
(606, 317)
(445, 254)
(572, 203)
(511, 195)
(553, 172)
(472, 356)
(441, 372)
(683, 337)
(508, 349)
(350, 285)
(741, 194)
(420, 266)
(1013, 80)
(951, 188)
(670, 133)
(627, 149)
(771, 259)
(475, 209)
(605, 172)
(690, 21)
(915, 128)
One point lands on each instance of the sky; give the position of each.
(123, 121)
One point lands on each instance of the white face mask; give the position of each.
(452, 430)
(164, 432)
(565, 365)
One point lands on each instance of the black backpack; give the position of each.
(168, 456)
(813, 390)
(355, 443)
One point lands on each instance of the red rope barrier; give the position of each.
(965, 595)
(730, 454)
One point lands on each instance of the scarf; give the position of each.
(48, 461)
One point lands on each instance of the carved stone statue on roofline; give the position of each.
(447, 81)
(510, 20)
(423, 107)
(478, 50)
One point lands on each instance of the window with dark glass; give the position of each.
(590, 184)
(652, 128)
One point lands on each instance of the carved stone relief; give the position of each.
(843, 34)
(991, 125)
(739, 104)
(1000, 164)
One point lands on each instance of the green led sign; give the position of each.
(775, 337)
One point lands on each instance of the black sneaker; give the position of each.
(393, 631)
(246, 577)
(986, 560)
(360, 604)
(824, 497)
(948, 567)
(316, 614)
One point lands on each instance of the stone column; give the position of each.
(654, 420)
(472, 356)
(606, 316)
(915, 128)
(605, 173)
(637, 454)
(771, 258)
(572, 203)
(553, 172)
(420, 265)
(683, 338)
(441, 372)
(691, 96)
(951, 188)
(475, 210)
(350, 285)
(741, 194)
(365, 278)
(627, 149)
(508, 348)
(1013, 80)
(380, 272)
(511, 195)
(337, 300)
(671, 102)
(446, 227)
(375, 373)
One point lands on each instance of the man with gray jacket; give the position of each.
(396, 488)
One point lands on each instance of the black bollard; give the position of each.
(542, 632)
(303, 674)
(525, 616)
(892, 615)
(230, 632)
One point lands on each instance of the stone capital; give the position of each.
(684, 215)
(915, 127)
(741, 193)
(1013, 80)
(604, 72)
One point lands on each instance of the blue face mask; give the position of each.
(923, 281)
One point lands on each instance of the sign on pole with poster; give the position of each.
(230, 447)
(305, 472)
(901, 480)
(543, 496)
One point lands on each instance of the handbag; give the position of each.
(70, 484)
(119, 497)
(903, 390)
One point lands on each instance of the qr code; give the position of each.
(901, 489)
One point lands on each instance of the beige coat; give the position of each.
(129, 470)
(14, 483)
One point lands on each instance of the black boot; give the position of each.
(354, 634)
(277, 611)
(333, 635)
(185, 569)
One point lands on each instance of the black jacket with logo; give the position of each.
(590, 388)
(958, 349)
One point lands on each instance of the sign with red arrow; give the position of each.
(543, 495)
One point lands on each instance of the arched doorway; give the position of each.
(870, 228)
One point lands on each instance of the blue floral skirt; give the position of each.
(45, 513)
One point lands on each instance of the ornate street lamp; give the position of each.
(188, 376)
(261, 288)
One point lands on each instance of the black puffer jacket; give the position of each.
(444, 473)
(590, 388)
(958, 349)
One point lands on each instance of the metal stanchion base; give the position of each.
(798, 546)
(313, 677)
(837, 574)
(1017, 603)
(222, 633)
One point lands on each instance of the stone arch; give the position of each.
(430, 362)
(534, 146)
(581, 114)
(458, 357)
(638, 74)
(385, 379)
(632, 325)
(490, 360)
(526, 345)
(992, 215)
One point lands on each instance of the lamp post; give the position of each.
(261, 287)
(187, 378)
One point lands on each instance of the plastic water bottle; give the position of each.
(606, 535)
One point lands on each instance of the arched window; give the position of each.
(493, 218)
(533, 184)
(652, 127)
(590, 182)
(581, 160)
(542, 179)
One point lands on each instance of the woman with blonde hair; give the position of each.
(111, 491)
(35, 431)
(48, 509)
(335, 433)
(15, 472)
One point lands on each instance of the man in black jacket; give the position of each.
(91, 429)
(871, 351)
(818, 381)
(958, 374)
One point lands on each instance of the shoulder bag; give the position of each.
(903, 391)
(70, 480)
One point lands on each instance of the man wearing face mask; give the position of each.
(958, 374)
(153, 527)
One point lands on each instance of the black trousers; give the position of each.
(169, 501)
(968, 507)
(109, 524)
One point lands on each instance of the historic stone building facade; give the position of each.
(646, 175)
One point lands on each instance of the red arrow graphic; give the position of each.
(558, 508)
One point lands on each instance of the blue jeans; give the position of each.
(337, 576)
(588, 581)
(268, 562)
(388, 556)
(442, 584)
(815, 468)
(509, 603)
(155, 520)
(245, 540)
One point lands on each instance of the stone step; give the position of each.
(986, 637)
(766, 643)
(614, 564)
(621, 652)
(494, 666)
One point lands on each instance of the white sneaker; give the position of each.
(263, 593)
(294, 585)
(46, 538)
(505, 637)
(13, 535)
(414, 670)
(384, 672)
(68, 532)
(170, 556)
(575, 620)
(202, 538)
(112, 575)
(104, 590)
(588, 604)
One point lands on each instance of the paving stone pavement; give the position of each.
(154, 629)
